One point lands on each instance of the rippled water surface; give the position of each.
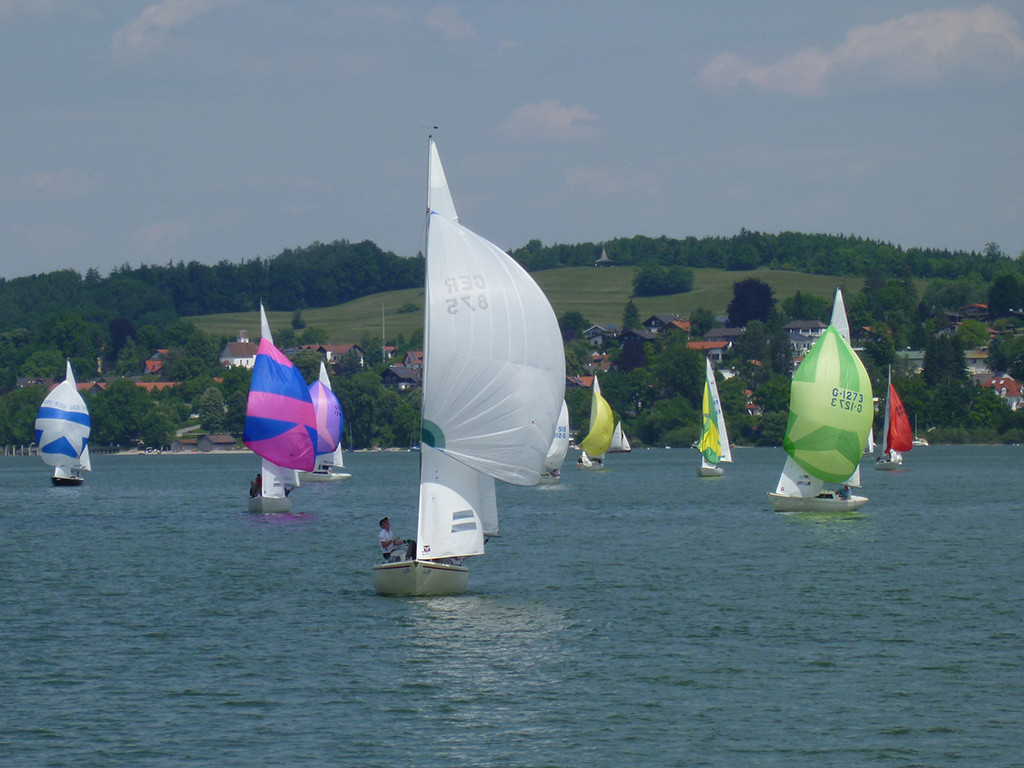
(636, 616)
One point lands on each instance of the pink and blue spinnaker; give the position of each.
(280, 424)
(329, 419)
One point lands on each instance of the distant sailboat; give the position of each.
(619, 443)
(830, 412)
(897, 437)
(556, 452)
(493, 384)
(280, 425)
(595, 444)
(714, 442)
(329, 426)
(62, 432)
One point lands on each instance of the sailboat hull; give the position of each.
(783, 503)
(420, 578)
(890, 465)
(269, 505)
(547, 479)
(716, 471)
(323, 476)
(74, 480)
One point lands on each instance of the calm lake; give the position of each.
(639, 616)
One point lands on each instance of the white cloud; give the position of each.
(549, 120)
(916, 47)
(445, 18)
(149, 27)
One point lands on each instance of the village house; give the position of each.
(402, 378)
(239, 353)
(1007, 388)
(811, 328)
(602, 335)
(216, 442)
(714, 350)
(658, 323)
(731, 335)
(154, 364)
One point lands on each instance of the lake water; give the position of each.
(639, 616)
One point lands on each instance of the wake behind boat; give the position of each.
(830, 414)
(493, 386)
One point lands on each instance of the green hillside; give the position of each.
(598, 294)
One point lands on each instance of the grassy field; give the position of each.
(599, 294)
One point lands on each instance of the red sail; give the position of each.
(900, 437)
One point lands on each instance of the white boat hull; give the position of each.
(703, 471)
(782, 503)
(271, 505)
(420, 578)
(548, 479)
(323, 477)
(888, 465)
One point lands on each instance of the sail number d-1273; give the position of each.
(847, 400)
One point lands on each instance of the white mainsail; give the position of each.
(493, 379)
(715, 402)
(560, 443)
(620, 443)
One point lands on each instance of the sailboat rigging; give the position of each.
(493, 386)
(62, 432)
(897, 437)
(714, 442)
(330, 423)
(830, 415)
(599, 437)
(280, 426)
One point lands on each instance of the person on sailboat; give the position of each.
(388, 541)
(256, 486)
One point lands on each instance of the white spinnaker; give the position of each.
(494, 366)
(63, 425)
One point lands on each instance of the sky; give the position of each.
(206, 130)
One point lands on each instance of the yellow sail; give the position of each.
(602, 425)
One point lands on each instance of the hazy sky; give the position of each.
(134, 132)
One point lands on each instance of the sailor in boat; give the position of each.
(256, 486)
(845, 493)
(389, 542)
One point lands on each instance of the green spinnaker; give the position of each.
(830, 410)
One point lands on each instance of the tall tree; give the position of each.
(751, 300)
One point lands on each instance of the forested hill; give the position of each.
(328, 274)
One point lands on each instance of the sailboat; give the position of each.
(62, 432)
(714, 442)
(557, 450)
(918, 440)
(830, 413)
(493, 386)
(619, 443)
(897, 437)
(280, 425)
(595, 444)
(329, 424)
